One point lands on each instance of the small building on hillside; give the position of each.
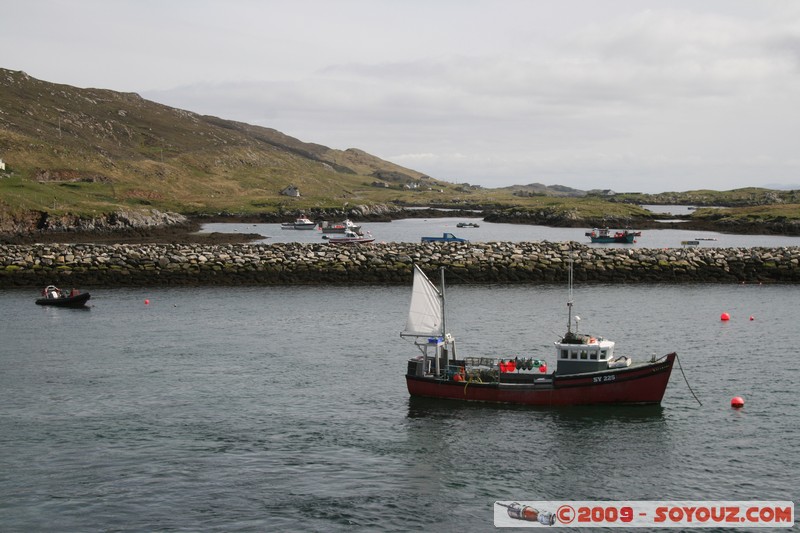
(380, 184)
(291, 190)
(2, 165)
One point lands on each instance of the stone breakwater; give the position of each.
(92, 265)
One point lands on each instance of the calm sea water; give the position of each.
(285, 408)
(412, 229)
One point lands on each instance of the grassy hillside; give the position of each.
(748, 196)
(87, 152)
(753, 206)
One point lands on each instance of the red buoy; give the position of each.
(752, 317)
(737, 402)
(724, 317)
(147, 302)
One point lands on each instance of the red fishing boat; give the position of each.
(586, 368)
(604, 235)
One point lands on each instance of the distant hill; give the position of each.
(783, 186)
(97, 149)
(539, 189)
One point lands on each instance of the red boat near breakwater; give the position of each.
(604, 235)
(587, 370)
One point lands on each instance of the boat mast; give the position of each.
(569, 297)
(451, 349)
(444, 328)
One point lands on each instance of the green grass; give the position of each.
(747, 196)
(199, 188)
(757, 213)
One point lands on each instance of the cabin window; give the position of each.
(564, 354)
(593, 355)
(573, 355)
(584, 355)
(603, 354)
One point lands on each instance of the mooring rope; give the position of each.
(686, 380)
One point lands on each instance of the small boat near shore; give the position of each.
(604, 235)
(339, 227)
(468, 225)
(300, 223)
(53, 296)
(350, 237)
(586, 369)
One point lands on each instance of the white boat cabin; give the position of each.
(576, 354)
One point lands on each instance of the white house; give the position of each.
(2, 165)
(291, 190)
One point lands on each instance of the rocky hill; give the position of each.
(540, 189)
(69, 149)
(96, 160)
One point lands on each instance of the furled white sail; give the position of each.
(425, 311)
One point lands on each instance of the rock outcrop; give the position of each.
(33, 222)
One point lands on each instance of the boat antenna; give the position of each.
(444, 328)
(569, 294)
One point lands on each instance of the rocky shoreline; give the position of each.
(183, 231)
(112, 265)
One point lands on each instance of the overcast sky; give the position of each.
(629, 95)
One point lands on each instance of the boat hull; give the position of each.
(298, 226)
(351, 241)
(79, 300)
(624, 239)
(619, 241)
(605, 236)
(639, 384)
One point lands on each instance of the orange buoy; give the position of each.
(724, 317)
(457, 377)
(737, 402)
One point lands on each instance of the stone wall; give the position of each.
(91, 265)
